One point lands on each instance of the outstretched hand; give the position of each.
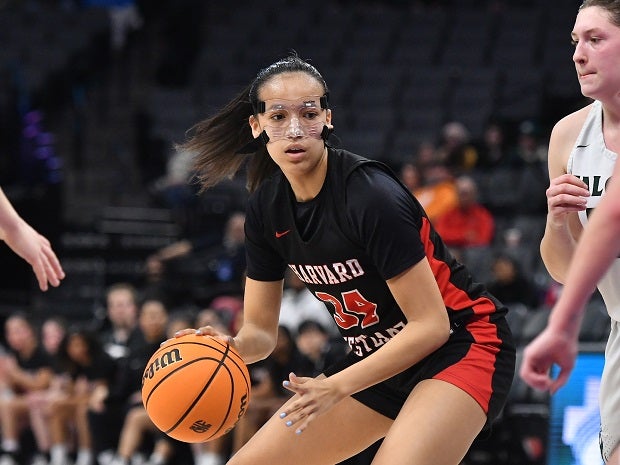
(37, 251)
(549, 348)
(315, 397)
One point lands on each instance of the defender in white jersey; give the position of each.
(582, 161)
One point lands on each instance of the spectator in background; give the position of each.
(153, 321)
(437, 194)
(268, 394)
(299, 305)
(53, 331)
(510, 285)
(30, 245)
(315, 343)
(469, 224)
(455, 149)
(196, 267)
(82, 367)
(530, 158)
(26, 369)
(492, 148)
(122, 314)
(409, 174)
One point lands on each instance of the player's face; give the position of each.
(597, 53)
(293, 120)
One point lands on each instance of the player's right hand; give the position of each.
(565, 194)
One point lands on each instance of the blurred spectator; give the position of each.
(25, 369)
(83, 366)
(197, 272)
(510, 285)
(437, 195)
(122, 313)
(455, 149)
(530, 157)
(299, 305)
(469, 224)
(315, 343)
(409, 174)
(53, 331)
(153, 321)
(268, 394)
(492, 148)
(426, 154)
(174, 189)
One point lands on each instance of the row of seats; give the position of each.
(396, 73)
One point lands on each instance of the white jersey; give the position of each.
(592, 162)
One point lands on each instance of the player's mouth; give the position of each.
(294, 150)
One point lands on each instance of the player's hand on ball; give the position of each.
(206, 331)
(315, 397)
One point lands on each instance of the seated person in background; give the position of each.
(152, 322)
(510, 285)
(437, 194)
(314, 342)
(25, 369)
(121, 314)
(190, 268)
(81, 366)
(268, 394)
(299, 305)
(469, 223)
(53, 331)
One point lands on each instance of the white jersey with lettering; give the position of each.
(593, 163)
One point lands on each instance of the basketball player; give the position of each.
(30, 245)
(431, 354)
(582, 154)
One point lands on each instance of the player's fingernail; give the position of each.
(285, 383)
(298, 431)
(283, 414)
(198, 331)
(289, 423)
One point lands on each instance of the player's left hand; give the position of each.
(26, 242)
(315, 397)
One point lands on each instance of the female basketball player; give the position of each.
(431, 354)
(29, 244)
(582, 153)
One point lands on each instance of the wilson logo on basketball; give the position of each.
(244, 404)
(200, 426)
(170, 357)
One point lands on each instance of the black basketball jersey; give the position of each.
(363, 228)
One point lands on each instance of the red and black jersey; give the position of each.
(363, 228)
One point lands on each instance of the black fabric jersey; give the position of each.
(363, 228)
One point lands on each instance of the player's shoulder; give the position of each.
(565, 133)
(571, 124)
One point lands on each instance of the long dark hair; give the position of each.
(611, 6)
(216, 140)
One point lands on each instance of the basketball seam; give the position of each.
(197, 398)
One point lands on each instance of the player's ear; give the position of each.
(328, 118)
(256, 129)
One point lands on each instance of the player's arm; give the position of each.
(29, 244)
(427, 329)
(566, 196)
(261, 309)
(596, 250)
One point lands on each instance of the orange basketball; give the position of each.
(195, 388)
